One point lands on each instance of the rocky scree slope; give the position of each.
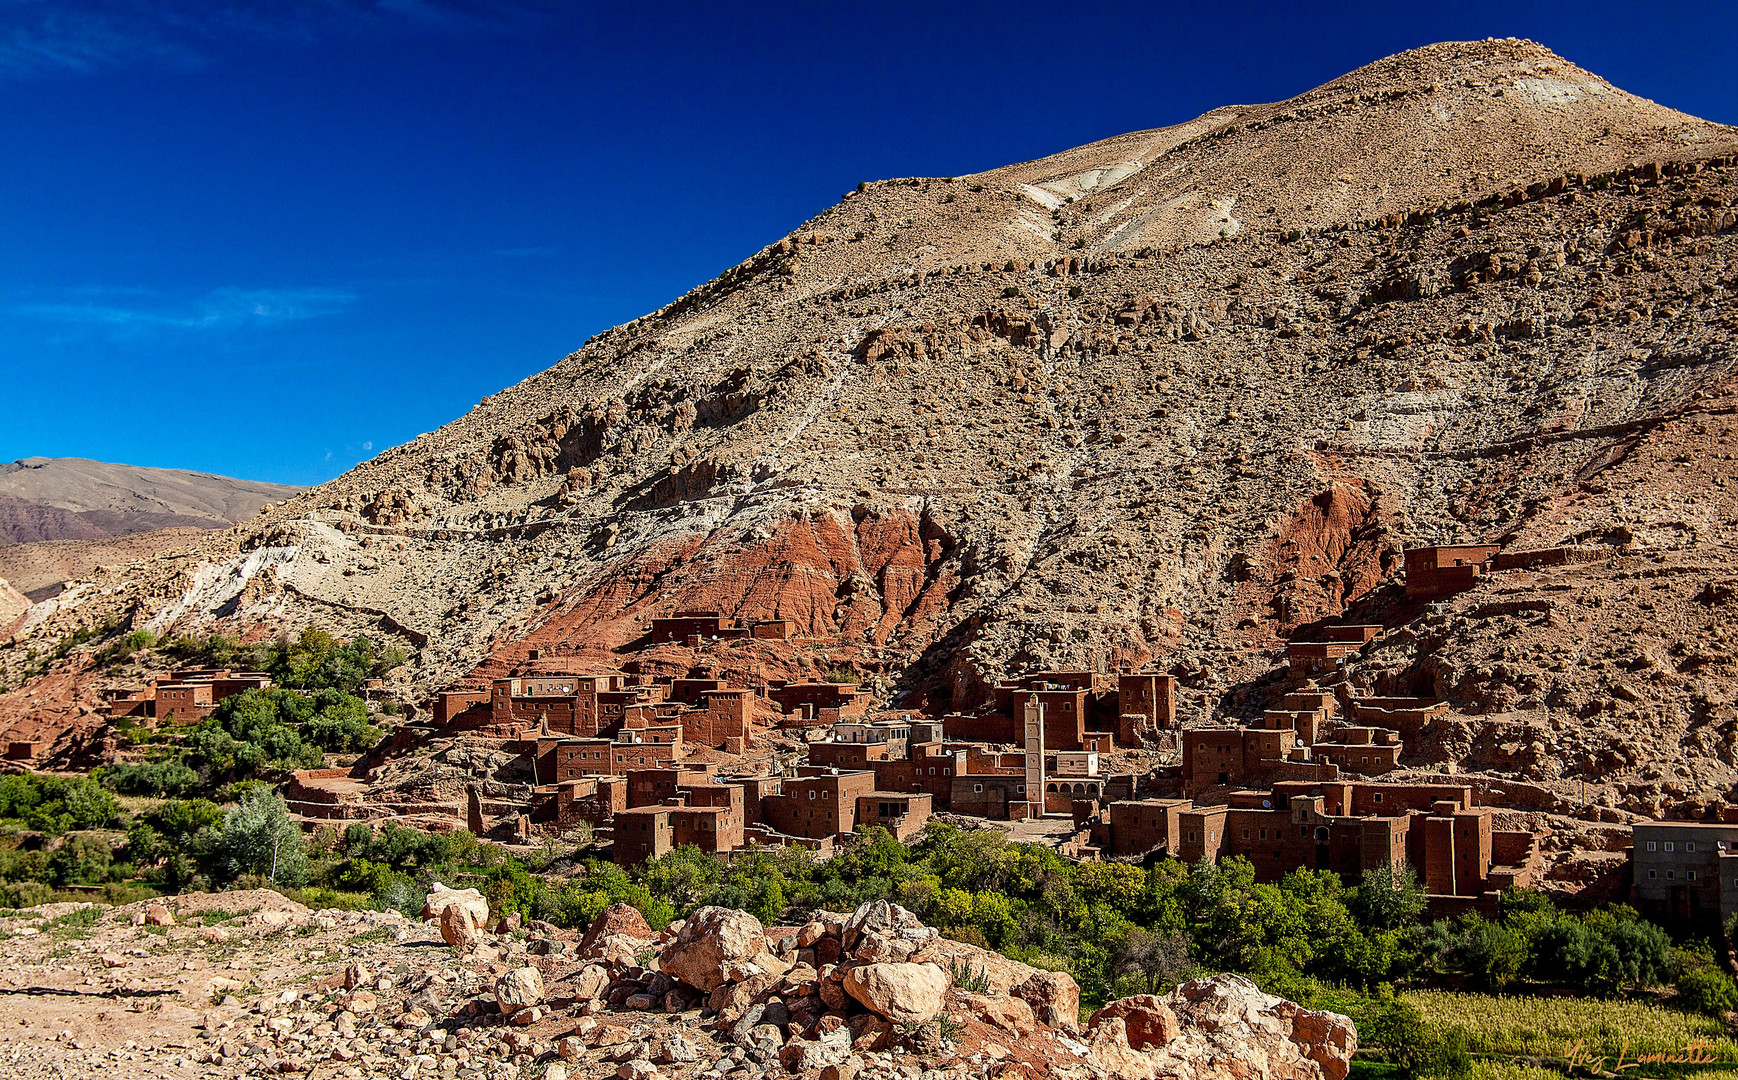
(1167, 397)
(249, 983)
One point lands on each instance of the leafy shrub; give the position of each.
(160, 778)
(55, 804)
(23, 894)
(1707, 990)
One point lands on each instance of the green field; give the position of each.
(1634, 1038)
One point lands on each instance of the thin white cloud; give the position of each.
(44, 37)
(132, 311)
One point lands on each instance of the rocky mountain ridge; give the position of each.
(1166, 398)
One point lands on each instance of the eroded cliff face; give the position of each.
(1164, 398)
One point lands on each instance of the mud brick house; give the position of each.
(713, 828)
(1360, 634)
(755, 790)
(586, 706)
(996, 797)
(185, 696)
(183, 702)
(724, 720)
(1350, 827)
(817, 802)
(926, 731)
(1312, 659)
(1138, 826)
(904, 814)
(652, 748)
(1061, 793)
(1305, 724)
(1068, 719)
(573, 758)
(1406, 715)
(691, 689)
(1220, 757)
(879, 731)
(930, 768)
(463, 708)
(1308, 697)
(848, 755)
(1685, 873)
(1436, 572)
(1146, 703)
(594, 799)
(704, 625)
(126, 701)
(1361, 750)
(642, 833)
(697, 627)
(819, 702)
(772, 629)
(649, 787)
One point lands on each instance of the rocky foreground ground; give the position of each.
(252, 984)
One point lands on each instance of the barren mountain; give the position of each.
(76, 499)
(1166, 397)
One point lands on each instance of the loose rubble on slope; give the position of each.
(251, 984)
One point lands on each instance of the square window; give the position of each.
(1669, 875)
(1669, 845)
(977, 787)
(1650, 845)
(1651, 875)
(1689, 845)
(1691, 874)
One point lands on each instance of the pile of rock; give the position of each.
(842, 994)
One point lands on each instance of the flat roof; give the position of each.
(1684, 825)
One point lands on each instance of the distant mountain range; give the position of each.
(78, 499)
(62, 517)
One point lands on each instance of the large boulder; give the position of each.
(1227, 1029)
(1148, 1020)
(1054, 997)
(459, 929)
(903, 993)
(617, 920)
(468, 901)
(519, 989)
(717, 946)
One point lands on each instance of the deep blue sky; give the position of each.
(270, 239)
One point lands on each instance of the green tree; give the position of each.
(258, 837)
(1389, 897)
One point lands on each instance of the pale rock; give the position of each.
(470, 901)
(716, 946)
(519, 989)
(903, 993)
(1148, 1020)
